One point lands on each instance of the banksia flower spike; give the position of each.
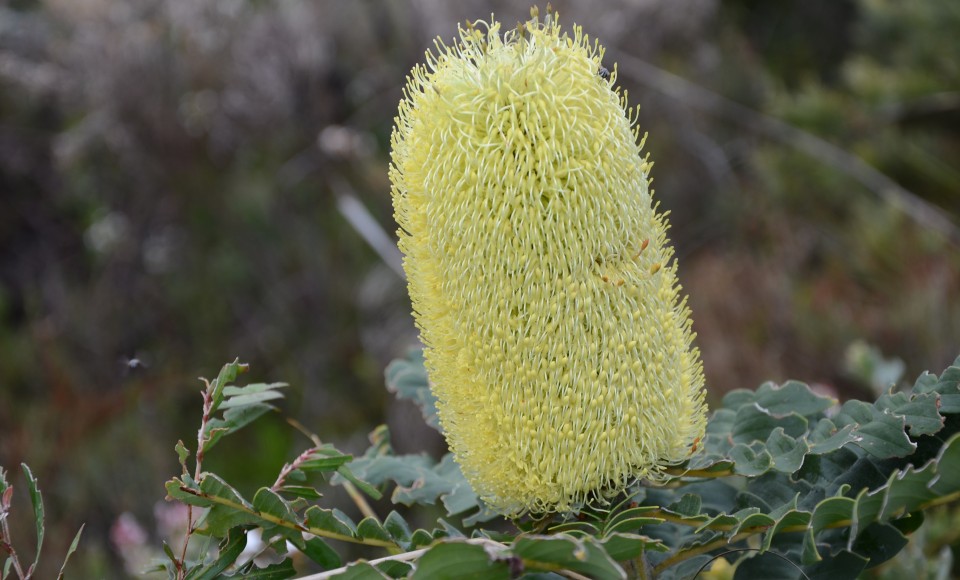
(555, 337)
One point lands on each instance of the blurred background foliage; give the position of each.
(180, 183)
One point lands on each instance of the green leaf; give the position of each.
(304, 491)
(826, 437)
(212, 484)
(550, 553)
(36, 499)
(755, 424)
(749, 462)
(407, 379)
(256, 388)
(333, 521)
(879, 434)
(182, 454)
(398, 528)
(251, 399)
(460, 560)
(622, 547)
(370, 528)
(230, 549)
(70, 551)
(363, 486)
(227, 375)
(317, 550)
(220, 519)
(786, 451)
(791, 398)
(419, 480)
(395, 569)
(180, 491)
(920, 412)
(322, 463)
(233, 420)
(630, 520)
(269, 503)
(421, 538)
(360, 571)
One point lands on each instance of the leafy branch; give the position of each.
(6, 543)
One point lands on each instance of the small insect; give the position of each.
(604, 73)
(696, 445)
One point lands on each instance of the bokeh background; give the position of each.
(184, 182)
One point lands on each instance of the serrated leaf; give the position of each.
(787, 452)
(737, 398)
(220, 519)
(407, 378)
(182, 454)
(333, 521)
(920, 412)
(269, 503)
(755, 424)
(793, 397)
(227, 375)
(180, 491)
(584, 556)
(826, 437)
(398, 528)
(213, 485)
(749, 462)
(370, 528)
(754, 521)
(460, 560)
(791, 521)
(419, 480)
(879, 434)
(421, 538)
(689, 505)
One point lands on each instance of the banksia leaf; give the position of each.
(556, 340)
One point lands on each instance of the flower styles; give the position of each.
(555, 337)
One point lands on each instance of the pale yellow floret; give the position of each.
(541, 280)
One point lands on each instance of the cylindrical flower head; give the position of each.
(555, 338)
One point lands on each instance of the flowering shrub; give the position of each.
(559, 365)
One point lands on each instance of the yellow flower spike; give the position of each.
(529, 236)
